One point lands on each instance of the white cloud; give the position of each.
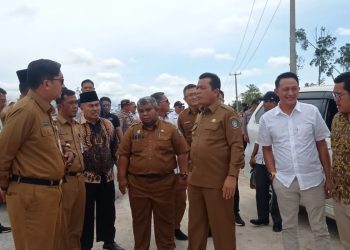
(251, 72)
(278, 61)
(266, 87)
(343, 31)
(24, 11)
(209, 52)
(232, 23)
(202, 52)
(108, 76)
(81, 56)
(224, 56)
(171, 80)
(112, 63)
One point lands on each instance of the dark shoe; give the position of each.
(259, 222)
(112, 246)
(5, 229)
(277, 228)
(239, 221)
(209, 233)
(179, 235)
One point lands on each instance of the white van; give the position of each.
(322, 98)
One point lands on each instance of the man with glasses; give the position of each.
(292, 136)
(31, 160)
(106, 107)
(125, 116)
(163, 104)
(340, 139)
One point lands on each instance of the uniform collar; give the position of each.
(63, 121)
(155, 125)
(211, 108)
(280, 111)
(44, 105)
(190, 111)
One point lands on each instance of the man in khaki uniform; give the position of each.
(73, 188)
(185, 123)
(147, 159)
(216, 157)
(31, 162)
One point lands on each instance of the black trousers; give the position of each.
(236, 199)
(103, 195)
(263, 205)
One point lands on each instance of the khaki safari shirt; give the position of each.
(217, 147)
(152, 151)
(69, 133)
(185, 123)
(340, 139)
(29, 144)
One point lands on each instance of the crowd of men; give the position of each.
(57, 178)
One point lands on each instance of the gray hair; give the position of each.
(146, 100)
(158, 96)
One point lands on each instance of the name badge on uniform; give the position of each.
(45, 123)
(137, 136)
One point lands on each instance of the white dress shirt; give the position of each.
(293, 138)
(173, 116)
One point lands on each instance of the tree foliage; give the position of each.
(344, 57)
(252, 93)
(324, 50)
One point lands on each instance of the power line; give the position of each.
(263, 36)
(245, 33)
(255, 31)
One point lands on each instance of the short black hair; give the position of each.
(105, 99)
(345, 78)
(87, 81)
(41, 70)
(65, 92)
(286, 75)
(158, 96)
(215, 82)
(188, 86)
(222, 93)
(2, 91)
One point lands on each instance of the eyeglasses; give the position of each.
(58, 79)
(106, 105)
(338, 96)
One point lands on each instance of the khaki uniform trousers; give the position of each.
(73, 204)
(289, 201)
(180, 205)
(157, 196)
(207, 208)
(342, 216)
(34, 212)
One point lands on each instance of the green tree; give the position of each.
(344, 57)
(324, 50)
(252, 93)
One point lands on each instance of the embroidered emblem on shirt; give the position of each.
(234, 123)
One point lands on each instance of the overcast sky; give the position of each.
(134, 48)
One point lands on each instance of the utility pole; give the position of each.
(236, 74)
(292, 42)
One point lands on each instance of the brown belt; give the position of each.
(35, 181)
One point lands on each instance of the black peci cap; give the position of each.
(88, 97)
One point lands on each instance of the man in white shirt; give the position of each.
(299, 162)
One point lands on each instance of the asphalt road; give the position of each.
(248, 237)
